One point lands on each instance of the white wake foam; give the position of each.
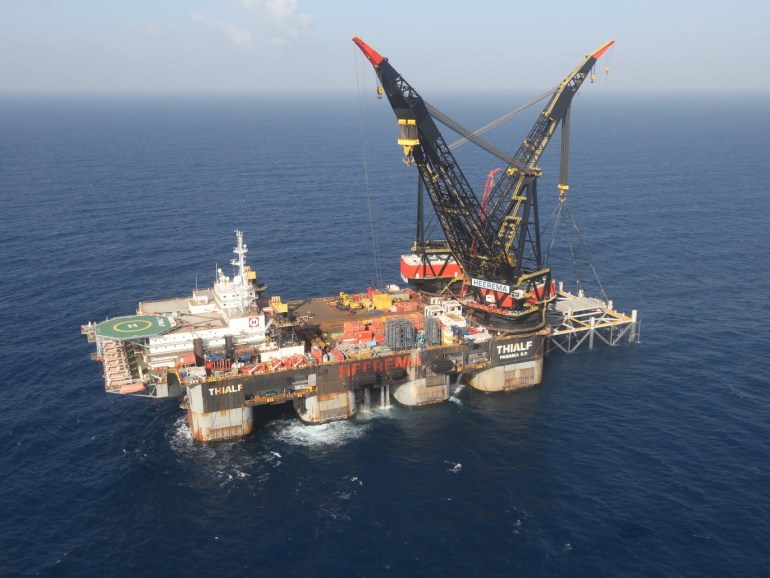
(325, 435)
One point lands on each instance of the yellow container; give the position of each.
(382, 301)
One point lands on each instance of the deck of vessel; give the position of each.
(322, 311)
(179, 308)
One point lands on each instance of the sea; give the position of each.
(640, 459)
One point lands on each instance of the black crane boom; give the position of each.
(513, 195)
(457, 207)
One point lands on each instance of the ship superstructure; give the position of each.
(138, 350)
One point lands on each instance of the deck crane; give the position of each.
(487, 193)
(510, 292)
(513, 202)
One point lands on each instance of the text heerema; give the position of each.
(491, 285)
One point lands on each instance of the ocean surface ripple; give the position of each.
(650, 459)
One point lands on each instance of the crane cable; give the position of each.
(365, 144)
(607, 67)
(559, 219)
(602, 293)
(498, 121)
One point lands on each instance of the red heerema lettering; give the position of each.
(379, 364)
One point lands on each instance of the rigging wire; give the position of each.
(453, 125)
(498, 121)
(583, 246)
(607, 67)
(573, 259)
(562, 217)
(556, 218)
(365, 144)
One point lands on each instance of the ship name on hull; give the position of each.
(378, 364)
(225, 389)
(514, 350)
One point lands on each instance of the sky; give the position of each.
(290, 46)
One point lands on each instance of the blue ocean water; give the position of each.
(649, 459)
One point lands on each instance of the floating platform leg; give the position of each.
(223, 425)
(209, 424)
(508, 377)
(430, 388)
(326, 407)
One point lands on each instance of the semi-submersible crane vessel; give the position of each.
(229, 349)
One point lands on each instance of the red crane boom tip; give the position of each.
(371, 54)
(602, 49)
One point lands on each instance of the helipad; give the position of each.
(134, 326)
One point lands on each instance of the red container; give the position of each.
(338, 354)
(186, 358)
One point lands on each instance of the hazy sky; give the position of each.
(305, 45)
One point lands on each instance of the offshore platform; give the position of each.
(483, 309)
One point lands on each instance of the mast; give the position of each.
(240, 249)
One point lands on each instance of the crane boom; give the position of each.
(512, 197)
(457, 207)
(472, 137)
(488, 240)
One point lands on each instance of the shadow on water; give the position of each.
(266, 414)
